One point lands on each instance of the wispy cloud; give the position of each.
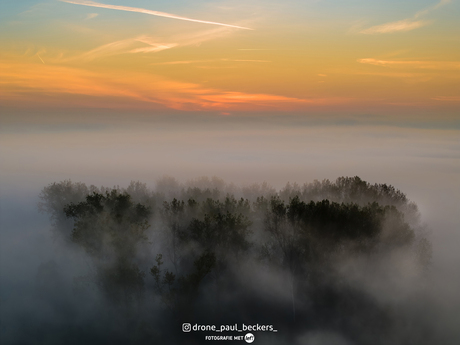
(184, 62)
(439, 65)
(152, 45)
(91, 16)
(407, 24)
(147, 44)
(402, 25)
(40, 58)
(139, 44)
(197, 38)
(26, 83)
(273, 49)
(216, 67)
(145, 11)
(447, 98)
(408, 78)
(124, 47)
(432, 8)
(229, 98)
(245, 60)
(188, 62)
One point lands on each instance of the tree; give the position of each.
(207, 253)
(109, 227)
(203, 239)
(175, 216)
(53, 199)
(179, 293)
(304, 238)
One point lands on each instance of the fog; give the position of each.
(44, 302)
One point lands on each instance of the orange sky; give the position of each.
(229, 57)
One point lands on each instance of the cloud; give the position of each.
(40, 58)
(150, 44)
(272, 49)
(405, 24)
(185, 62)
(126, 46)
(144, 44)
(91, 16)
(402, 25)
(31, 84)
(409, 78)
(241, 60)
(197, 38)
(188, 62)
(438, 65)
(234, 100)
(109, 49)
(145, 11)
(432, 8)
(447, 98)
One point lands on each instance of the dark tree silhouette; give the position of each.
(195, 241)
(304, 238)
(109, 227)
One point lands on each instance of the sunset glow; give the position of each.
(304, 59)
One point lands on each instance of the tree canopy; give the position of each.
(195, 245)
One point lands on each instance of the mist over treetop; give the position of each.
(343, 189)
(305, 252)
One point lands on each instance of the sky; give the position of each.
(392, 61)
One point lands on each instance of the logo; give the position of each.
(249, 338)
(186, 327)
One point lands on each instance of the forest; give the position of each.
(323, 262)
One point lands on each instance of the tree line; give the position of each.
(187, 252)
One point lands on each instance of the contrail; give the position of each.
(40, 58)
(143, 10)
